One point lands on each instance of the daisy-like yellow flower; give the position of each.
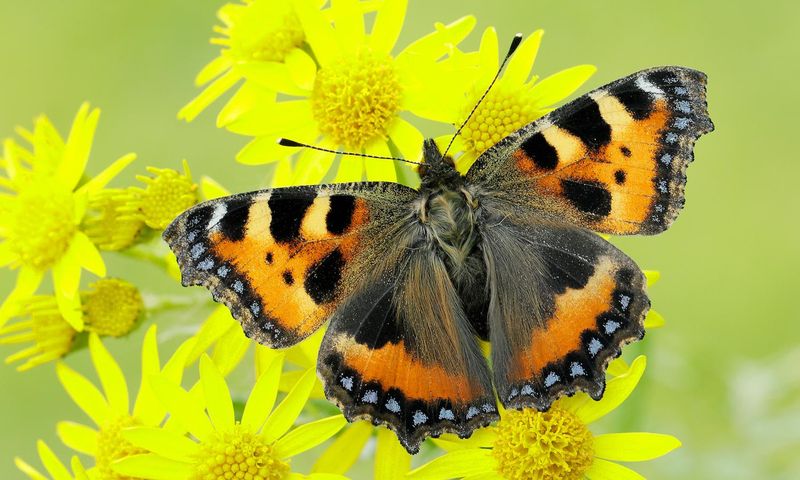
(110, 409)
(258, 446)
(351, 92)
(167, 194)
(40, 219)
(553, 445)
(263, 32)
(109, 222)
(112, 307)
(55, 469)
(518, 98)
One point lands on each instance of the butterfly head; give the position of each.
(437, 170)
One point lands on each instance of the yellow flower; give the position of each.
(42, 324)
(263, 32)
(348, 95)
(54, 467)
(40, 220)
(108, 222)
(110, 410)
(553, 445)
(167, 194)
(514, 101)
(112, 307)
(392, 460)
(258, 446)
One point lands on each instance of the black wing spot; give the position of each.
(585, 122)
(340, 213)
(288, 279)
(588, 197)
(287, 216)
(269, 258)
(636, 101)
(619, 177)
(323, 277)
(625, 151)
(544, 155)
(233, 223)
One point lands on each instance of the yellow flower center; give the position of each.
(355, 98)
(502, 112)
(109, 223)
(167, 195)
(112, 446)
(42, 222)
(112, 307)
(238, 454)
(552, 445)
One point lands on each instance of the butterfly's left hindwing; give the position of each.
(280, 258)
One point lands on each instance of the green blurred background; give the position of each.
(723, 374)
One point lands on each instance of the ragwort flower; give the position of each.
(110, 410)
(351, 93)
(40, 220)
(259, 446)
(54, 467)
(553, 445)
(514, 101)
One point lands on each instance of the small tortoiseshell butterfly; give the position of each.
(411, 280)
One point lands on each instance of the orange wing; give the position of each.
(280, 259)
(613, 160)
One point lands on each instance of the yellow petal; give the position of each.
(455, 464)
(153, 467)
(480, 438)
(407, 138)
(438, 43)
(271, 75)
(250, 99)
(634, 447)
(345, 450)
(218, 398)
(70, 308)
(483, 476)
(520, 64)
(349, 24)
(212, 70)
(313, 165)
(652, 277)
(319, 33)
(67, 274)
(305, 437)
(84, 394)
(215, 326)
(209, 95)
(78, 437)
(387, 26)
(230, 349)
(302, 69)
(111, 377)
(288, 410)
(264, 358)
(89, 255)
(392, 461)
(78, 470)
(28, 280)
(78, 146)
(265, 149)
(163, 442)
(604, 470)
(560, 85)
(275, 118)
(618, 367)
(146, 408)
(617, 390)
(488, 56)
(262, 397)
(182, 407)
(51, 463)
(28, 470)
(351, 169)
(101, 179)
(212, 189)
(282, 177)
(305, 353)
(653, 320)
(379, 169)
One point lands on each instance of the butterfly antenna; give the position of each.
(514, 44)
(291, 143)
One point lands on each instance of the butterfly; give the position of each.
(411, 281)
